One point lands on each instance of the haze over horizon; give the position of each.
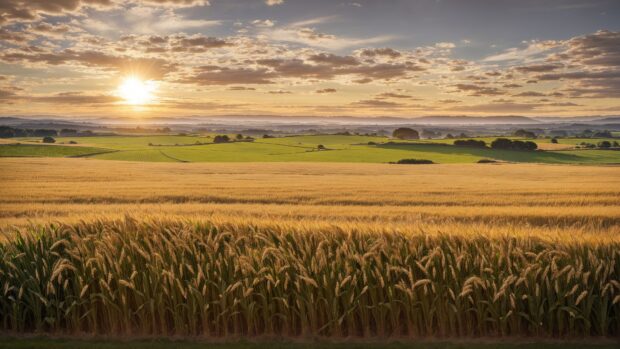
(156, 58)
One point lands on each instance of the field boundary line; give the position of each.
(172, 157)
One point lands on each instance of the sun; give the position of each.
(136, 91)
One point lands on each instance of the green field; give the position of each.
(33, 150)
(339, 148)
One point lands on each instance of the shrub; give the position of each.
(486, 161)
(414, 162)
(604, 144)
(587, 145)
(405, 133)
(239, 136)
(470, 143)
(49, 139)
(615, 144)
(372, 143)
(507, 144)
(221, 139)
(72, 142)
(554, 140)
(268, 136)
(320, 147)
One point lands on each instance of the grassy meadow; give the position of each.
(339, 148)
(309, 250)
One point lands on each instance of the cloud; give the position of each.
(274, 2)
(392, 95)
(530, 94)
(327, 90)
(301, 33)
(477, 90)
(374, 103)
(532, 50)
(264, 23)
(580, 75)
(498, 107)
(146, 68)
(241, 88)
(75, 98)
(381, 52)
(196, 43)
(214, 75)
(333, 66)
(29, 10)
(14, 37)
(334, 60)
(179, 3)
(600, 49)
(7, 95)
(538, 68)
(69, 98)
(156, 20)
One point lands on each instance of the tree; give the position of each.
(603, 134)
(501, 143)
(68, 132)
(7, 132)
(507, 144)
(430, 134)
(320, 147)
(449, 136)
(405, 133)
(604, 144)
(554, 140)
(524, 134)
(470, 143)
(44, 133)
(239, 136)
(48, 139)
(221, 139)
(616, 144)
(558, 133)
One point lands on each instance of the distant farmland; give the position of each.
(338, 148)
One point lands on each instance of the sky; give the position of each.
(152, 58)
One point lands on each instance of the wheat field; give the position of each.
(333, 250)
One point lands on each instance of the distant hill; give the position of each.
(257, 121)
(474, 120)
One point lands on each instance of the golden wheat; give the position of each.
(196, 278)
(333, 250)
